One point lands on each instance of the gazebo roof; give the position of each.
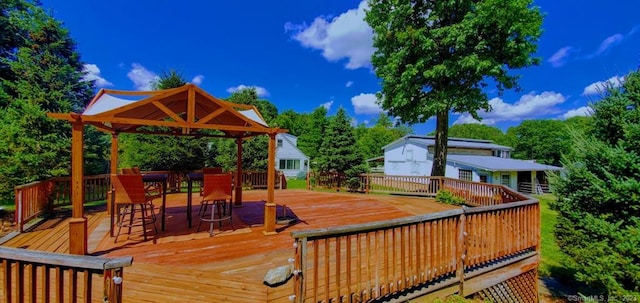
(185, 110)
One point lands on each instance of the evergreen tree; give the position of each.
(339, 151)
(310, 140)
(599, 195)
(42, 72)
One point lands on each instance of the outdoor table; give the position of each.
(198, 177)
(159, 178)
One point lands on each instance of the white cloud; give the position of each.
(92, 73)
(261, 91)
(349, 83)
(197, 80)
(365, 104)
(601, 86)
(142, 77)
(580, 111)
(345, 36)
(560, 57)
(608, 43)
(327, 105)
(529, 106)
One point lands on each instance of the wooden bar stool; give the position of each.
(130, 198)
(217, 191)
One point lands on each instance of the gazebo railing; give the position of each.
(36, 276)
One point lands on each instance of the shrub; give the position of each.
(447, 197)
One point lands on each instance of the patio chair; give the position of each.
(211, 170)
(127, 171)
(130, 197)
(217, 191)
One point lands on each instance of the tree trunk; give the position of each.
(442, 135)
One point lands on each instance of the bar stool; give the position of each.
(130, 198)
(217, 191)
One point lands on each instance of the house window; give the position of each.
(483, 178)
(279, 143)
(465, 175)
(289, 164)
(409, 154)
(505, 180)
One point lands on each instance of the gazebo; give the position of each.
(182, 111)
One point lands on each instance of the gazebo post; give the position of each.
(270, 206)
(78, 223)
(113, 166)
(114, 153)
(238, 201)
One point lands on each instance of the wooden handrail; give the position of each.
(75, 273)
(376, 260)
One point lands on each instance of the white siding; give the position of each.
(406, 160)
(289, 151)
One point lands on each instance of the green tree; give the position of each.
(250, 96)
(41, 72)
(434, 57)
(544, 140)
(255, 151)
(372, 139)
(310, 140)
(598, 195)
(164, 152)
(476, 131)
(338, 151)
(292, 121)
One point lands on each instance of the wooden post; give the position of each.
(238, 200)
(78, 223)
(113, 166)
(461, 249)
(270, 206)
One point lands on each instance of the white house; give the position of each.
(467, 159)
(289, 159)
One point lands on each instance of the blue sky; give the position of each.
(303, 54)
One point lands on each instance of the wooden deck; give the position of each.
(181, 264)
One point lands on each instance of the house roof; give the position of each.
(491, 163)
(427, 141)
(185, 110)
(291, 139)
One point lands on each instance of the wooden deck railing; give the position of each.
(32, 200)
(35, 198)
(447, 252)
(34, 276)
(95, 189)
(533, 188)
(474, 193)
(258, 179)
(363, 262)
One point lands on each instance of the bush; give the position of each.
(447, 197)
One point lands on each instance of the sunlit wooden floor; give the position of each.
(181, 264)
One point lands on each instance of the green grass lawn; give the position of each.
(296, 184)
(553, 262)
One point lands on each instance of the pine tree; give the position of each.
(310, 140)
(42, 73)
(339, 151)
(599, 195)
